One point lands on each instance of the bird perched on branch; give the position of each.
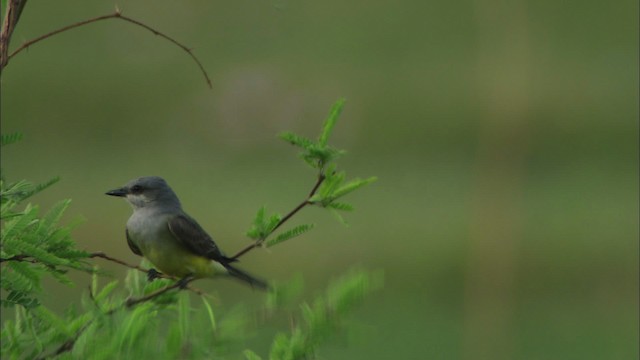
(171, 240)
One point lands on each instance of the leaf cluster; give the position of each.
(32, 245)
(335, 187)
(318, 153)
(330, 186)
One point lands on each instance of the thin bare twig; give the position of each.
(115, 15)
(107, 257)
(304, 203)
(12, 15)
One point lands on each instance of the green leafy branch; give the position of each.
(330, 186)
(32, 245)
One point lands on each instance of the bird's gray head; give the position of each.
(147, 192)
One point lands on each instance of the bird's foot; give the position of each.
(153, 274)
(184, 282)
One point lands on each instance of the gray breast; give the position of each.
(146, 227)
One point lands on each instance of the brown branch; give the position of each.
(12, 15)
(182, 284)
(19, 258)
(300, 206)
(116, 15)
(107, 257)
(28, 258)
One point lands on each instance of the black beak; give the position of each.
(118, 192)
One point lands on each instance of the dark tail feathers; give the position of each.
(241, 275)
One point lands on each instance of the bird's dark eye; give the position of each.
(136, 189)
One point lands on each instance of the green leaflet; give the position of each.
(262, 226)
(334, 188)
(340, 206)
(212, 318)
(327, 128)
(318, 154)
(296, 140)
(289, 234)
(352, 186)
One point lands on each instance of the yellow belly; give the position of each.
(150, 234)
(180, 263)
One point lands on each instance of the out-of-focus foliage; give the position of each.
(321, 317)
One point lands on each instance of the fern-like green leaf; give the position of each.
(52, 320)
(40, 254)
(289, 234)
(318, 156)
(352, 186)
(86, 340)
(257, 227)
(340, 206)
(7, 139)
(106, 291)
(336, 109)
(262, 226)
(52, 217)
(271, 224)
(61, 276)
(296, 140)
(19, 298)
(21, 190)
(212, 318)
(27, 271)
(332, 182)
(79, 321)
(38, 188)
(11, 229)
(259, 219)
(16, 280)
(134, 326)
(14, 192)
(71, 253)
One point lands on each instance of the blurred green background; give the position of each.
(504, 135)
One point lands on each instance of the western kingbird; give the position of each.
(171, 240)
